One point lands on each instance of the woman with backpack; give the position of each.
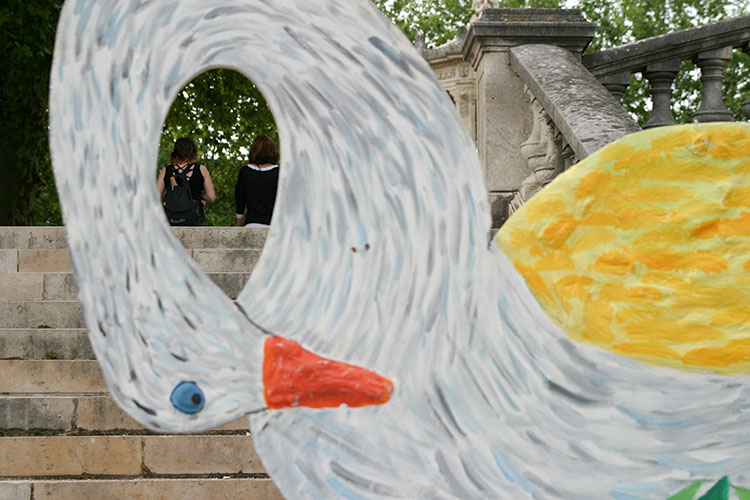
(255, 193)
(184, 185)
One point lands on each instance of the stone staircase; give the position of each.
(61, 434)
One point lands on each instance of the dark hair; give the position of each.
(184, 150)
(263, 151)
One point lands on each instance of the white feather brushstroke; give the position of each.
(491, 400)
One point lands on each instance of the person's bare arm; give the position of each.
(160, 182)
(239, 199)
(208, 186)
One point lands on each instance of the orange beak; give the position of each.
(295, 377)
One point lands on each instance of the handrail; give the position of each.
(682, 45)
(586, 114)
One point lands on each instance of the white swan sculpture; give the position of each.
(490, 398)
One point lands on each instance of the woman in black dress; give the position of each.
(255, 193)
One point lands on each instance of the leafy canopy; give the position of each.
(222, 110)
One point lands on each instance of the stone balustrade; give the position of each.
(535, 104)
(504, 118)
(658, 58)
(574, 115)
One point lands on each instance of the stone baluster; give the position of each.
(568, 157)
(712, 64)
(547, 167)
(542, 153)
(529, 148)
(503, 121)
(617, 84)
(661, 75)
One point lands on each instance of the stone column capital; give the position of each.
(500, 29)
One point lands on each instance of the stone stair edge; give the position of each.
(214, 259)
(79, 413)
(60, 285)
(130, 455)
(53, 237)
(260, 488)
(45, 344)
(60, 376)
(15, 330)
(52, 314)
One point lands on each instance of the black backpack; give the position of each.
(179, 205)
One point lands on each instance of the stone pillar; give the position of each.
(458, 79)
(617, 84)
(712, 65)
(661, 75)
(543, 153)
(504, 118)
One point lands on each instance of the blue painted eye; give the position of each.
(188, 398)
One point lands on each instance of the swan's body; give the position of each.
(492, 399)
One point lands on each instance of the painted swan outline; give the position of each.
(377, 141)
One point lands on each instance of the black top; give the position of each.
(195, 180)
(256, 192)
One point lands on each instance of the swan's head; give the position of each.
(187, 369)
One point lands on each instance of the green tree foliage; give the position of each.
(222, 110)
(27, 35)
(619, 22)
(437, 21)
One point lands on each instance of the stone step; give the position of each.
(128, 456)
(226, 260)
(51, 377)
(76, 414)
(142, 489)
(17, 286)
(56, 260)
(41, 314)
(28, 237)
(45, 343)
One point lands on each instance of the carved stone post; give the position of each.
(712, 65)
(503, 118)
(617, 84)
(568, 157)
(480, 6)
(661, 75)
(542, 151)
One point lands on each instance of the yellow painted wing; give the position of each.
(643, 248)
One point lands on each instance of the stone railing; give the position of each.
(535, 105)
(510, 136)
(710, 47)
(574, 115)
